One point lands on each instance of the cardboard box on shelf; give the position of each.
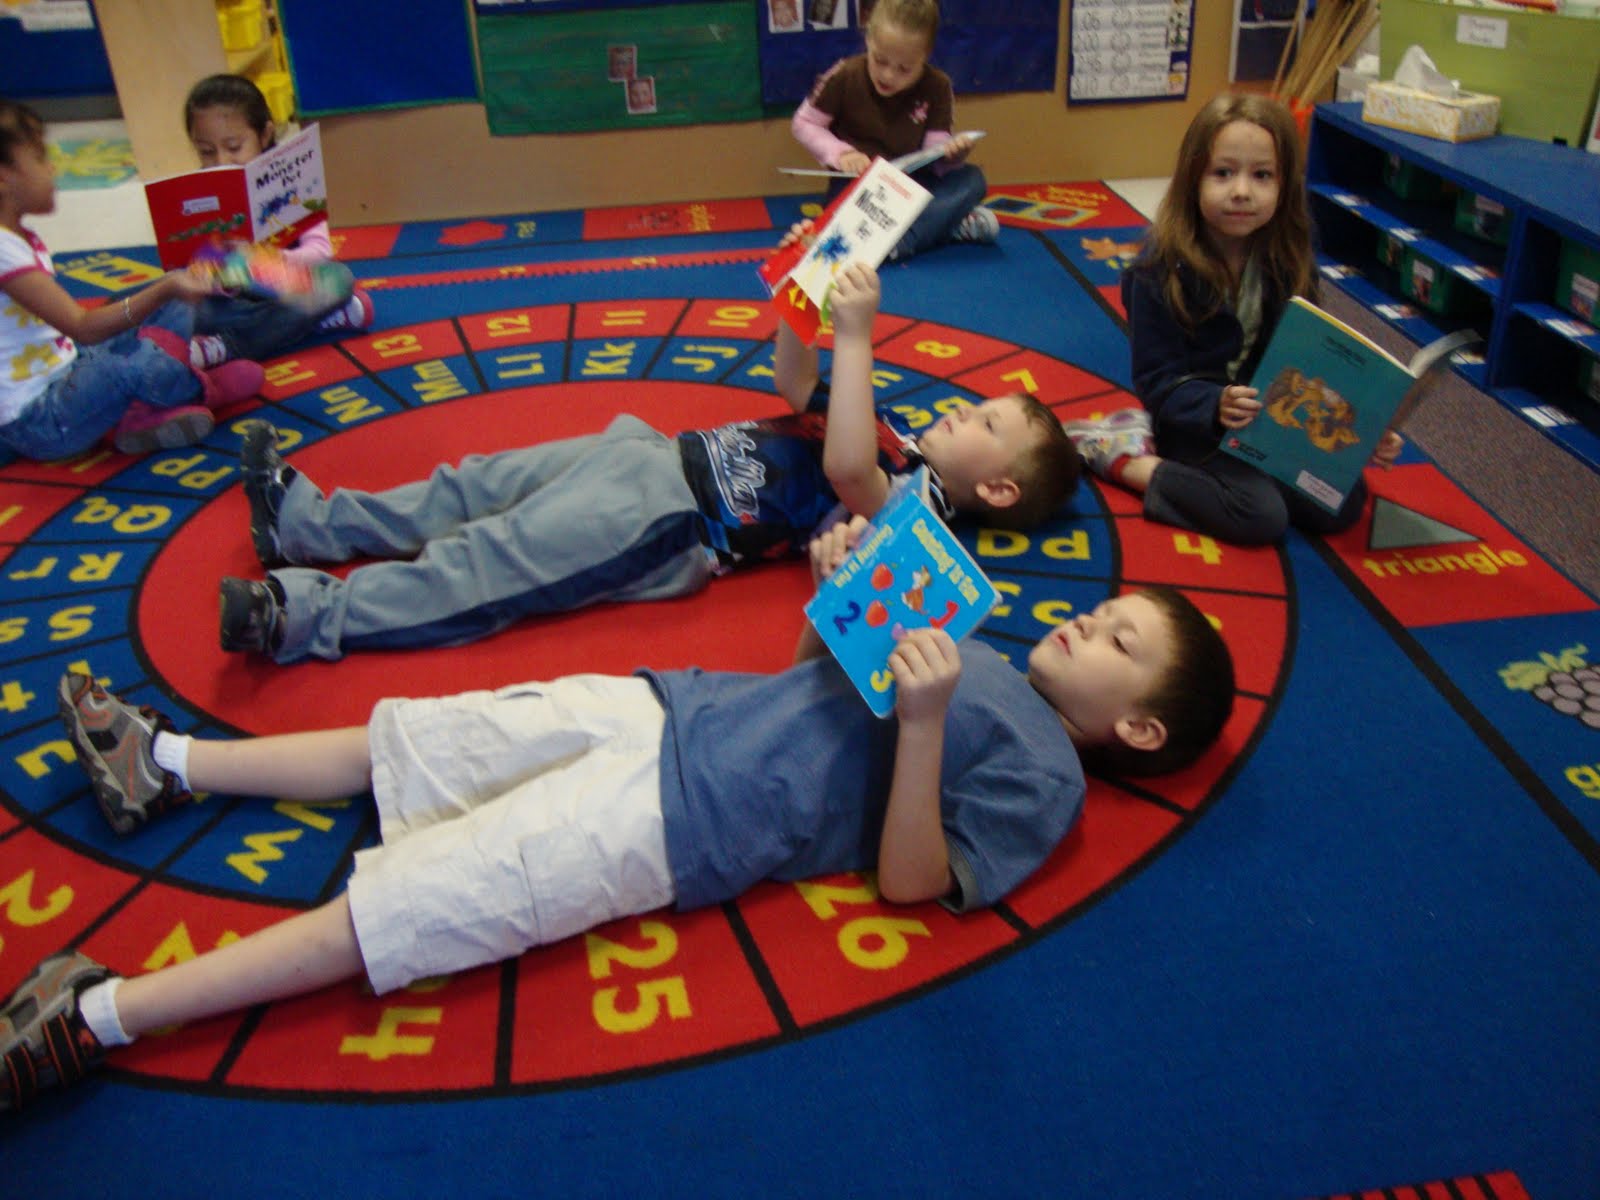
(1462, 118)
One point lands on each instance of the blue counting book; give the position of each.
(908, 572)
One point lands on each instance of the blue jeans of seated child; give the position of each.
(1199, 487)
(955, 193)
(256, 328)
(85, 404)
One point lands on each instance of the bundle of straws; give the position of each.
(1320, 45)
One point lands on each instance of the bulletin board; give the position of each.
(51, 48)
(356, 55)
(556, 66)
(1121, 50)
(982, 46)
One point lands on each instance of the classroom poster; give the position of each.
(554, 66)
(1129, 50)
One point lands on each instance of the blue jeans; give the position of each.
(85, 404)
(1201, 488)
(257, 328)
(955, 193)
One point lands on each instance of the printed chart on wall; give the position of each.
(1129, 50)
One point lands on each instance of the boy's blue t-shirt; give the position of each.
(760, 484)
(787, 777)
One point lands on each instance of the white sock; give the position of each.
(98, 1007)
(171, 752)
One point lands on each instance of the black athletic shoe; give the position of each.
(266, 479)
(252, 614)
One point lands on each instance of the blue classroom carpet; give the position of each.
(1353, 951)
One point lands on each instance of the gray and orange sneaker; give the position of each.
(113, 740)
(44, 1040)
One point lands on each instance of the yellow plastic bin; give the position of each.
(243, 23)
(278, 88)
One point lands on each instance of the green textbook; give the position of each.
(1328, 393)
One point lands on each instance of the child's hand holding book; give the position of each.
(1238, 406)
(801, 233)
(926, 665)
(853, 303)
(833, 545)
(1387, 450)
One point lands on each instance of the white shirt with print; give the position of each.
(32, 353)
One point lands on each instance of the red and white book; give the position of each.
(270, 200)
(862, 225)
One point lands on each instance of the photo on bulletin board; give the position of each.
(563, 67)
(1261, 29)
(1121, 50)
(829, 14)
(784, 16)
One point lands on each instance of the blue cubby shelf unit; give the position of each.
(1533, 351)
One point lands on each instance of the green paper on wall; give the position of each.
(635, 68)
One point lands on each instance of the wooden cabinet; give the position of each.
(158, 50)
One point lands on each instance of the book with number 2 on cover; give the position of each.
(907, 572)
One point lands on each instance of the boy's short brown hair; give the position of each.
(1046, 473)
(1193, 699)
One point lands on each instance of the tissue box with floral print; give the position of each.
(1461, 118)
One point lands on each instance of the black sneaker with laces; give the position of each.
(114, 742)
(44, 1040)
(252, 614)
(266, 480)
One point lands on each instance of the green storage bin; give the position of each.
(1483, 218)
(1589, 379)
(1410, 182)
(1391, 250)
(1429, 284)
(1578, 280)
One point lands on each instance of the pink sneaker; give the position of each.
(230, 383)
(220, 386)
(143, 429)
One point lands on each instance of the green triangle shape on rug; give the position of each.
(1395, 527)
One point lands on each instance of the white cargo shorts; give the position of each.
(509, 819)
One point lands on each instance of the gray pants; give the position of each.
(540, 529)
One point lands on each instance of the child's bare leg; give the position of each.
(322, 765)
(307, 952)
(1134, 473)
